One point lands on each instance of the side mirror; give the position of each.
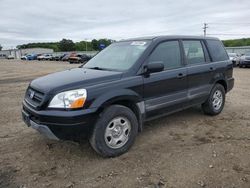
(152, 67)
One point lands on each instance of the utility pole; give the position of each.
(86, 44)
(205, 29)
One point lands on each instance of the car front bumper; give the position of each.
(60, 125)
(44, 130)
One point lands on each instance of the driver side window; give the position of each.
(167, 53)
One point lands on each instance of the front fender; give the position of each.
(117, 95)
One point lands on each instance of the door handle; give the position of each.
(180, 75)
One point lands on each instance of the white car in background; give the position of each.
(48, 57)
(245, 60)
(44, 57)
(24, 57)
(235, 58)
(40, 57)
(10, 57)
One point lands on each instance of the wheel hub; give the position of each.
(117, 132)
(217, 99)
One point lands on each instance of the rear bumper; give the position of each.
(230, 84)
(55, 124)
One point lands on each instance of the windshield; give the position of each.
(118, 56)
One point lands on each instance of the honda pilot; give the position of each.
(127, 84)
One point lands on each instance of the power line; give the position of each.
(229, 34)
(229, 23)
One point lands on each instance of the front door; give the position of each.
(166, 91)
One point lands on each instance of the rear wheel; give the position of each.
(114, 132)
(216, 100)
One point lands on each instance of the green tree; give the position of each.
(1, 47)
(237, 42)
(83, 46)
(95, 44)
(51, 45)
(66, 45)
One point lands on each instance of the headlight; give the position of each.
(69, 99)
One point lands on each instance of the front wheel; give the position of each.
(215, 102)
(114, 132)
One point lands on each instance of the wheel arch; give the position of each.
(123, 97)
(223, 83)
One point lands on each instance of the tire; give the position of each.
(100, 140)
(210, 107)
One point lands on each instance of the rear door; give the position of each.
(199, 69)
(166, 91)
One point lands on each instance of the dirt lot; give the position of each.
(186, 149)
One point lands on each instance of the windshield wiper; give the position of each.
(97, 68)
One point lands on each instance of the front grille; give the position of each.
(34, 97)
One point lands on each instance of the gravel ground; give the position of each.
(187, 149)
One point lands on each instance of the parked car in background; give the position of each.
(80, 58)
(67, 56)
(24, 57)
(55, 57)
(62, 56)
(85, 58)
(32, 57)
(44, 57)
(29, 57)
(74, 59)
(10, 57)
(47, 57)
(245, 60)
(235, 58)
(40, 57)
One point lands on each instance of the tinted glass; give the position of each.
(194, 51)
(217, 51)
(118, 56)
(168, 53)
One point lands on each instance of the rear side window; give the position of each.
(168, 53)
(194, 51)
(217, 51)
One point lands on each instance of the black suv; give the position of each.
(127, 84)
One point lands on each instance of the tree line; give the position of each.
(94, 45)
(236, 42)
(68, 45)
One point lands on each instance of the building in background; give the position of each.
(19, 53)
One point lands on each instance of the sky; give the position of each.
(25, 21)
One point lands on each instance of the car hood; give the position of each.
(72, 79)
